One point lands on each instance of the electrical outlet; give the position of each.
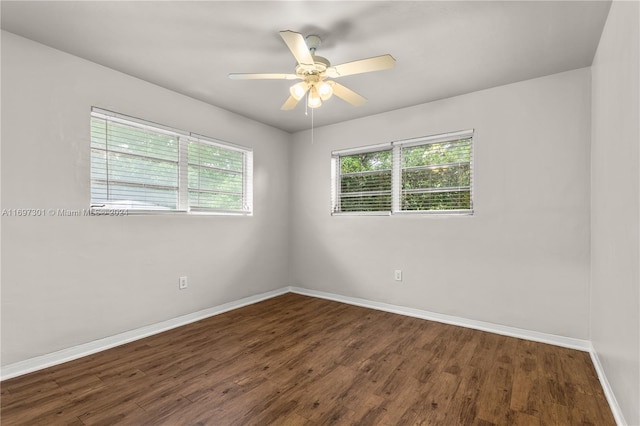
(397, 275)
(183, 283)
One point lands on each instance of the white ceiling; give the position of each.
(442, 48)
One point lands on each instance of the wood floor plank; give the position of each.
(298, 360)
(527, 391)
(127, 413)
(432, 405)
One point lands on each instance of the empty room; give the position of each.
(306, 213)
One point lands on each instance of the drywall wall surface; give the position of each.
(71, 280)
(615, 198)
(522, 259)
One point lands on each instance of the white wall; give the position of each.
(71, 280)
(521, 260)
(615, 196)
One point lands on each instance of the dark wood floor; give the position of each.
(296, 360)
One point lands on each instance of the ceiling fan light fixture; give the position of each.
(314, 98)
(298, 90)
(325, 90)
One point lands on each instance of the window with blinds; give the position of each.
(365, 181)
(436, 176)
(424, 175)
(137, 165)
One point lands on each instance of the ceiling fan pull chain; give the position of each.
(312, 125)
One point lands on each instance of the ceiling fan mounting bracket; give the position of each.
(313, 42)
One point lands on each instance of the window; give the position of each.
(426, 175)
(365, 181)
(137, 165)
(436, 176)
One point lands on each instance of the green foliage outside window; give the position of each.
(365, 182)
(437, 176)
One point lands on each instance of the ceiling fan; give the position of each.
(314, 71)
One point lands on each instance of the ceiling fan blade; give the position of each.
(289, 104)
(377, 63)
(296, 44)
(240, 76)
(347, 94)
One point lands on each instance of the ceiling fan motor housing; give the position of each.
(319, 66)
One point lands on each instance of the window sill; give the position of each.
(158, 212)
(361, 214)
(453, 213)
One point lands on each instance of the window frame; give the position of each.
(183, 138)
(396, 174)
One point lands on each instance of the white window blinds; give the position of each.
(365, 181)
(133, 167)
(436, 176)
(137, 165)
(217, 177)
(426, 175)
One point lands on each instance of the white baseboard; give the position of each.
(75, 352)
(59, 357)
(606, 388)
(552, 339)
